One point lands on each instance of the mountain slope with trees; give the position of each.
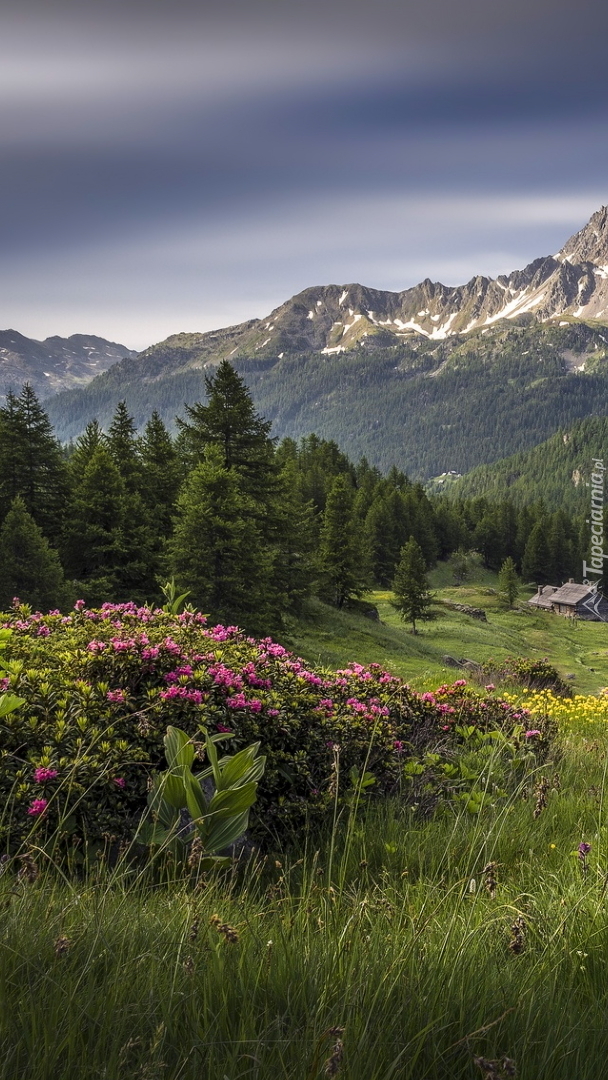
(557, 470)
(427, 407)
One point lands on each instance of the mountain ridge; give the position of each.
(56, 363)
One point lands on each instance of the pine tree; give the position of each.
(29, 566)
(93, 540)
(508, 581)
(216, 550)
(487, 540)
(122, 444)
(412, 597)
(292, 556)
(343, 571)
(161, 472)
(229, 422)
(31, 462)
(83, 450)
(535, 563)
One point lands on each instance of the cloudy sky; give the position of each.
(174, 166)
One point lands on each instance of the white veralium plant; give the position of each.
(217, 821)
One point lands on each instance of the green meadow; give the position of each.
(388, 944)
(334, 638)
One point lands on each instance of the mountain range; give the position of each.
(54, 364)
(433, 378)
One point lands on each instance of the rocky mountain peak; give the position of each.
(590, 244)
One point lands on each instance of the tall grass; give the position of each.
(399, 941)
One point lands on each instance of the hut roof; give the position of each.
(543, 597)
(571, 593)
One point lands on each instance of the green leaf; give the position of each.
(228, 803)
(172, 789)
(214, 862)
(237, 767)
(212, 756)
(179, 749)
(223, 833)
(9, 702)
(195, 799)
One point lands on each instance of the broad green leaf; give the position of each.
(212, 756)
(151, 833)
(227, 803)
(214, 862)
(236, 770)
(179, 749)
(223, 833)
(9, 702)
(173, 790)
(195, 799)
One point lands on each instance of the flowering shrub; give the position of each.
(101, 686)
(535, 674)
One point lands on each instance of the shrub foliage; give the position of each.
(100, 688)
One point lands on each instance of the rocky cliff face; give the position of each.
(572, 285)
(56, 363)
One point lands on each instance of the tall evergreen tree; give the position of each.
(31, 462)
(412, 597)
(229, 422)
(161, 474)
(122, 444)
(93, 541)
(29, 566)
(84, 448)
(535, 563)
(508, 581)
(216, 550)
(343, 571)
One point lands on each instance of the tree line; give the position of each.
(248, 525)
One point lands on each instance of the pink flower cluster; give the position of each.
(239, 701)
(37, 807)
(116, 696)
(41, 775)
(183, 693)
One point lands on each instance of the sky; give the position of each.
(179, 166)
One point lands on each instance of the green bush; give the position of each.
(535, 674)
(101, 686)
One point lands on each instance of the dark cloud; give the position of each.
(132, 126)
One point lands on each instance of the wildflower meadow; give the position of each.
(418, 890)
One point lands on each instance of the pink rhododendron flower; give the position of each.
(37, 807)
(117, 696)
(42, 774)
(119, 781)
(532, 733)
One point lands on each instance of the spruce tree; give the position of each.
(29, 566)
(122, 444)
(535, 563)
(230, 423)
(343, 570)
(410, 586)
(93, 540)
(216, 550)
(83, 450)
(508, 582)
(31, 462)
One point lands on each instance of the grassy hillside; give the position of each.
(333, 638)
